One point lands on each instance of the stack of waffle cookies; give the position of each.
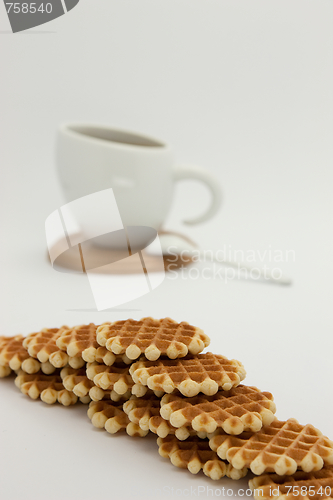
(150, 376)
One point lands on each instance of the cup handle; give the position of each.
(200, 174)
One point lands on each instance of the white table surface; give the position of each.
(243, 88)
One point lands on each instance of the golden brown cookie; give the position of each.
(110, 378)
(241, 409)
(316, 485)
(195, 454)
(98, 394)
(43, 346)
(280, 447)
(48, 388)
(205, 373)
(110, 416)
(76, 381)
(12, 354)
(145, 412)
(80, 341)
(152, 337)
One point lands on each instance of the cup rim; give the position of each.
(69, 129)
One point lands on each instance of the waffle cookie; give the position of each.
(43, 346)
(110, 378)
(205, 373)
(98, 394)
(12, 354)
(76, 381)
(111, 417)
(195, 454)
(80, 341)
(316, 485)
(145, 412)
(281, 447)
(48, 388)
(106, 357)
(241, 409)
(152, 337)
(159, 426)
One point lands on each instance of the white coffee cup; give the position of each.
(141, 171)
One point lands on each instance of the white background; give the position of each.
(242, 88)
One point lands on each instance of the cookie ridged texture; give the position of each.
(195, 454)
(141, 410)
(110, 416)
(152, 337)
(316, 485)
(163, 428)
(75, 341)
(241, 409)
(48, 388)
(103, 356)
(110, 378)
(98, 394)
(80, 341)
(42, 346)
(281, 447)
(76, 381)
(32, 365)
(145, 412)
(206, 373)
(12, 354)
